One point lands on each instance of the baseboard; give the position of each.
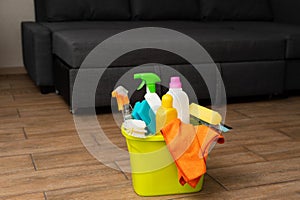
(12, 70)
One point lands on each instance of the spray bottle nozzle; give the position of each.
(148, 79)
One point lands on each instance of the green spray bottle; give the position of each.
(150, 79)
(146, 110)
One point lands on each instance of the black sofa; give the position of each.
(255, 43)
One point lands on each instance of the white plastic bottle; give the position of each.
(153, 100)
(180, 99)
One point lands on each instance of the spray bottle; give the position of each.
(121, 94)
(146, 109)
(149, 79)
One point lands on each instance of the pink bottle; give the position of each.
(180, 99)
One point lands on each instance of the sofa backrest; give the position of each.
(165, 9)
(76, 10)
(237, 10)
(286, 11)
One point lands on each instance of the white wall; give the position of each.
(12, 12)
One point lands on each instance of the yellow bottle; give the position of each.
(165, 113)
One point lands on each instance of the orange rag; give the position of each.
(189, 147)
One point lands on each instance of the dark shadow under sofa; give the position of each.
(255, 43)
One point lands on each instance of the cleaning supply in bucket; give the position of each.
(205, 114)
(189, 147)
(136, 128)
(150, 79)
(208, 117)
(165, 113)
(180, 99)
(121, 94)
(223, 128)
(142, 111)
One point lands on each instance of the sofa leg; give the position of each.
(46, 89)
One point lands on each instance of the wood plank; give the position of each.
(12, 70)
(117, 191)
(11, 134)
(238, 158)
(38, 112)
(38, 145)
(123, 191)
(67, 158)
(33, 196)
(289, 190)
(48, 134)
(241, 137)
(293, 132)
(45, 180)
(8, 112)
(22, 84)
(6, 99)
(5, 92)
(277, 150)
(18, 91)
(266, 106)
(232, 115)
(14, 77)
(271, 109)
(263, 123)
(60, 128)
(4, 85)
(32, 99)
(14, 164)
(33, 121)
(256, 174)
(222, 155)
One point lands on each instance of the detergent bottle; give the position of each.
(180, 99)
(149, 79)
(165, 113)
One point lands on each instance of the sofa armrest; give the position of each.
(286, 11)
(37, 54)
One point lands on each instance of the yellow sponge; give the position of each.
(205, 114)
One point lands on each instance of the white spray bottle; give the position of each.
(149, 79)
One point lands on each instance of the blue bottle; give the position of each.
(142, 111)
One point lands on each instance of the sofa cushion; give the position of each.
(109, 9)
(291, 33)
(229, 45)
(253, 78)
(223, 44)
(72, 10)
(165, 9)
(292, 81)
(236, 10)
(66, 10)
(293, 46)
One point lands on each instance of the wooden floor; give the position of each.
(41, 155)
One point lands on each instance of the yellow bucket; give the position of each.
(154, 172)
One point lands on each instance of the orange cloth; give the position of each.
(189, 147)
